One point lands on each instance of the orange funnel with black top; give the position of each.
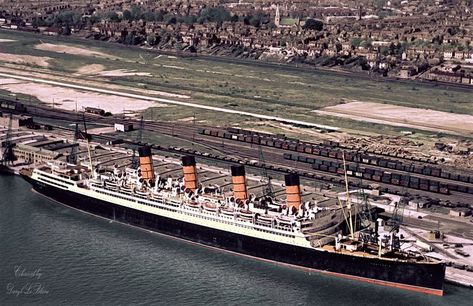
(239, 183)
(293, 190)
(146, 163)
(190, 172)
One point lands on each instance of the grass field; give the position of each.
(264, 90)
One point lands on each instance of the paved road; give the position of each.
(447, 226)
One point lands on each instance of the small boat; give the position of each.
(265, 219)
(227, 212)
(158, 194)
(284, 220)
(210, 207)
(111, 185)
(193, 204)
(126, 188)
(141, 192)
(246, 214)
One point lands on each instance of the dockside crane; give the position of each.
(365, 211)
(398, 211)
(8, 156)
(72, 157)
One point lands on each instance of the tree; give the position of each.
(187, 19)
(159, 16)
(149, 16)
(255, 21)
(136, 13)
(126, 15)
(66, 30)
(95, 19)
(151, 39)
(366, 43)
(170, 18)
(214, 14)
(356, 41)
(113, 16)
(313, 24)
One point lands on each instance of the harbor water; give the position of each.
(54, 255)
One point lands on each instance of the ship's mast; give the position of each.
(350, 224)
(139, 139)
(268, 186)
(88, 144)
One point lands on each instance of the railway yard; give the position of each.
(439, 197)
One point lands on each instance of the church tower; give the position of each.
(277, 18)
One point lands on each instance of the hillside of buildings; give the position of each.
(409, 39)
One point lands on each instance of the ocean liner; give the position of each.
(289, 232)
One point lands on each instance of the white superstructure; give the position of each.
(309, 227)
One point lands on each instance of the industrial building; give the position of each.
(460, 212)
(34, 155)
(16, 120)
(123, 127)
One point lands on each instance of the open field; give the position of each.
(268, 91)
(40, 61)
(59, 48)
(403, 116)
(71, 99)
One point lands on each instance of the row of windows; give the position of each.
(157, 200)
(117, 196)
(57, 179)
(200, 216)
(52, 183)
(152, 205)
(130, 198)
(266, 231)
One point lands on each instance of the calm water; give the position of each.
(70, 258)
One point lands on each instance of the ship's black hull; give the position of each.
(5, 170)
(427, 278)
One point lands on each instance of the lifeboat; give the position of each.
(227, 212)
(265, 219)
(156, 193)
(284, 220)
(141, 192)
(125, 188)
(193, 204)
(111, 185)
(246, 214)
(210, 207)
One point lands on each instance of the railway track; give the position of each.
(417, 175)
(239, 148)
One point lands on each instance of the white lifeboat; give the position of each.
(227, 212)
(111, 184)
(210, 207)
(246, 214)
(193, 204)
(284, 220)
(125, 187)
(141, 192)
(267, 219)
